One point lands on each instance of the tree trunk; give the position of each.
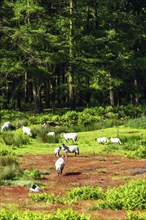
(70, 72)
(136, 89)
(111, 93)
(37, 98)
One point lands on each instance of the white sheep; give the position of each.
(51, 133)
(6, 126)
(34, 188)
(59, 165)
(102, 140)
(70, 149)
(115, 140)
(57, 151)
(70, 136)
(26, 130)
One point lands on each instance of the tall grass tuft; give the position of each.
(15, 140)
(9, 168)
(137, 122)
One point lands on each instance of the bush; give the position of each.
(136, 216)
(140, 152)
(15, 140)
(137, 122)
(48, 198)
(85, 193)
(129, 196)
(8, 138)
(32, 174)
(9, 168)
(5, 152)
(66, 214)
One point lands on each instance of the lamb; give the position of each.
(26, 130)
(70, 136)
(70, 149)
(6, 126)
(102, 140)
(115, 140)
(51, 133)
(57, 151)
(34, 188)
(59, 165)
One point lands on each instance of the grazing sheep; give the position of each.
(26, 130)
(57, 151)
(6, 126)
(51, 133)
(34, 188)
(70, 136)
(59, 165)
(102, 140)
(115, 140)
(70, 149)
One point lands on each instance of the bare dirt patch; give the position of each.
(94, 170)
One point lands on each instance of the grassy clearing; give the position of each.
(131, 139)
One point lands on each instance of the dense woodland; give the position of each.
(72, 53)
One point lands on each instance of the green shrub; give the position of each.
(9, 168)
(5, 152)
(140, 152)
(136, 216)
(48, 198)
(41, 133)
(137, 122)
(66, 214)
(129, 196)
(15, 140)
(71, 117)
(85, 193)
(32, 174)
(22, 122)
(8, 138)
(9, 172)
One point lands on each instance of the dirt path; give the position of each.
(95, 170)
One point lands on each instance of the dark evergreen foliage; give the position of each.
(72, 53)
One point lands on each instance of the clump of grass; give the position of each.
(137, 122)
(32, 174)
(9, 168)
(116, 162)
(103, 159)
(41, 133)
(5, 152)
(15, 140)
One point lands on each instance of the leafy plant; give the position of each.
(9, 168)
(129, 196)
(48, 198)
(136, 215)
(61, 214)
(86, 193)
(32, 174)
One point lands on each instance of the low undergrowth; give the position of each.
(59, 215)
(136, 215)
(130, 196)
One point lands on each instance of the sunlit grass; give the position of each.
(86, 142)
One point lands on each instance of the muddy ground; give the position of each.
(94, 170)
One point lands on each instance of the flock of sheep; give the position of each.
(60, 163)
